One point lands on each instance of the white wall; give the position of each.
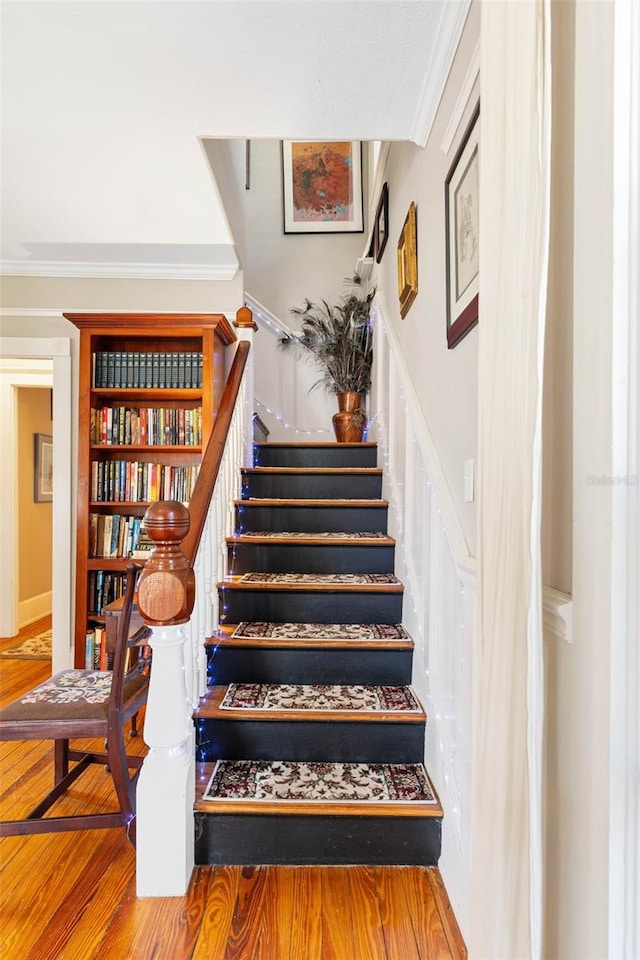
(281, 270)
(445, 380)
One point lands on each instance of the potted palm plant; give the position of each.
(338, 339)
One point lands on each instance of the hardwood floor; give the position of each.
(72, 896)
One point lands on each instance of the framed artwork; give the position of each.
(408, 262)
(462, 236)
(43, 468)
(381, 224)
(322, 186)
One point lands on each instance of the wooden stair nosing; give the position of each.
(209, 708)
(322, 808)
(378, 588)
(224, 639)
(245, 539)
(316, 444)
(319, 504)
(303, 471)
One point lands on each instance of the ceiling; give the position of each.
(105, 105)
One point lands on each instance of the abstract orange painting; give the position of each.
(322, 186)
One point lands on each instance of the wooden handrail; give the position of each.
(204, 486)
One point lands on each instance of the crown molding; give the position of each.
(119, 271)
(449, 31)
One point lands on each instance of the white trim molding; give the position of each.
(118, 271)
(449, 31)
(557, 613)
(265, 318)
(624, 733)
(33, 608)
(469, 82)
(59, 350)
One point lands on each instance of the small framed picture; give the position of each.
(462, 236)
(43, 468)
(322, 186)
(381, 224)
(408, 262)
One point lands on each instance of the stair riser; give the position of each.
(313, 486)
(330, 740)
(301, 558)
(328, 665)
(325, 841)
(311, 519)
(332, 456)
(282, 606)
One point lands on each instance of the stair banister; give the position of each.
(177, 598)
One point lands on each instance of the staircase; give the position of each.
(310, 740)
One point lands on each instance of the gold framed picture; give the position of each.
(408, 262)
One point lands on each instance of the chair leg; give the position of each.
(125, 786)
(61, 760)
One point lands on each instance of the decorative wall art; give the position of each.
(408, 262)
(322, 186)
(381, 224)
(462, 230)
(43, 468)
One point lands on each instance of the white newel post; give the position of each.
(166, 788)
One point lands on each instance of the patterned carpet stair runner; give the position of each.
(310, 739)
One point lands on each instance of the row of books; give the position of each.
(104, 587)
(95, 649)
(117, 535)
(133, 370)
(140, 426)
(132, 481)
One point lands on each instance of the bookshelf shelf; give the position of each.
(142, 394)
(146, 448)
(130, 366)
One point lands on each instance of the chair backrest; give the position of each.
(130, 667)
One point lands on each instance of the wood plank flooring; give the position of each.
(72, 896)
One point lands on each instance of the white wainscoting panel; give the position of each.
(438, 602)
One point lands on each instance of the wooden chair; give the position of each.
(80, 704)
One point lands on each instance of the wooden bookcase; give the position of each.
(148, 392)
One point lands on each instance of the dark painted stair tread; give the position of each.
(275, 701)
(334, 789)
(315, 582)
(329, 635)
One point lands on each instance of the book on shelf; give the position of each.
(142, 547)
(138, 426)
(118, 369)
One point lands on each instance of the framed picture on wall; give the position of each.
(381, 224)
(408, 261)
(43, 468)
(462, 235)
(322, 186)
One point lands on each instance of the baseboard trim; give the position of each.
(34, 608)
